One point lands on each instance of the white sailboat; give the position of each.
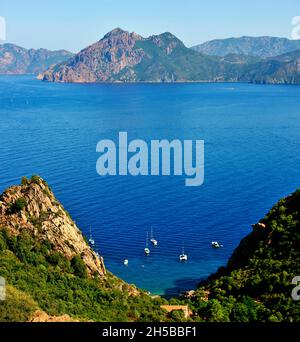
(183, 256)
(152, 240)
(147, 250)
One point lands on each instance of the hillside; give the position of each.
(15, 60)
(51, 272)
(263, 47)
(257, 283)
(284, 69)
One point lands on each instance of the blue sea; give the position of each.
(252, 159)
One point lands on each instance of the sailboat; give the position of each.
(152, 240)
(147, 250)
(216, 244)
(91, 240)
(183, 256)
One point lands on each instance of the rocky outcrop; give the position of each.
(15, 60)
(100, 61)
(33, 207)
(42, 317)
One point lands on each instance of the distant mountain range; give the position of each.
(121, 56)
(127, 57)
(284, 69)
(17, 60)
(263, 47)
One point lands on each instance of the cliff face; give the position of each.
(15, 60)
(33, 207)
(100, 61)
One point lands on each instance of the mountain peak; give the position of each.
(115, 32)
(167, 41)
(168, 35)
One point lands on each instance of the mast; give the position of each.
(151, 234)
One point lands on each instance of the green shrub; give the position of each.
(17, 206)
(24, 181)
(79, 267)
(35, 179)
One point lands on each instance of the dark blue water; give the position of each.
(252, 141)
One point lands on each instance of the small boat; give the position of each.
(126, 262)
(152, 240)
(183, 256)
(147, 250)
(216, 244)
(91, 240)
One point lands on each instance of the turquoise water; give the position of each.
(252, 144)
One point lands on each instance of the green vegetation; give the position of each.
(17, 206)
(59, 286)
(179, 65)
(24, 181)
(79, 267)
(18, 306)
(257, 284)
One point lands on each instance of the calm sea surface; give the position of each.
(252, 159)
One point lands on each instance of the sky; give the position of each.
(75, 24)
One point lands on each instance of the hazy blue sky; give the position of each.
(74, 24)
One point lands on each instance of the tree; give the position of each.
(79, 267)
